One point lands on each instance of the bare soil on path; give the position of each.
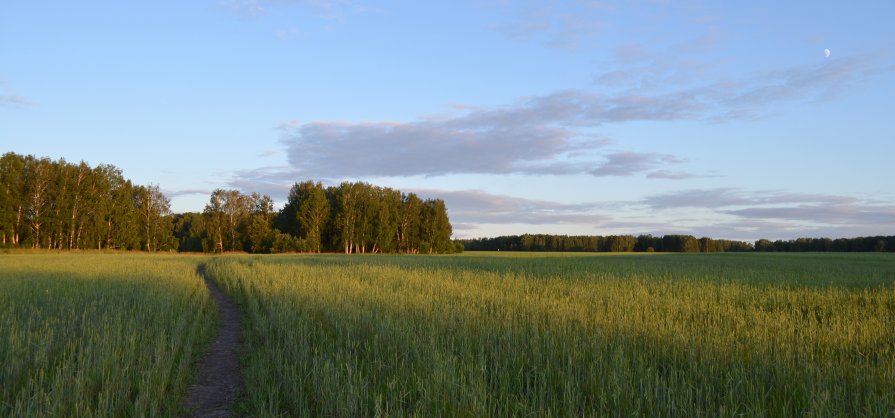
(219, 381)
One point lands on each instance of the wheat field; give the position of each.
(94, 335)
(559, 335)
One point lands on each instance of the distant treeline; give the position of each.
(596, 243)
(859, 244)
(64, 206)
(670, 243)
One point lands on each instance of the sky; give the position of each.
(737, 120)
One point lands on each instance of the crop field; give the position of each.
(99, 335)
(477, 334)
(562, 335)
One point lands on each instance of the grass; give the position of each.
(498, 335)
(99, 335)
(495, 334)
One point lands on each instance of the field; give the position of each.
(477, 334)
(85, 335)
(549, 335)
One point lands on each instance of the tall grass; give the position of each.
(99, 335)
(662, 335)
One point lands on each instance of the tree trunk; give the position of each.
(15, 232)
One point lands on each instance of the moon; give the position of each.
(826, 53)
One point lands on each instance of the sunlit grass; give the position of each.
(99, 335)
(654, 335)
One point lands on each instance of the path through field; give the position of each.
(219, 380)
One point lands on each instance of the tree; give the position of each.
(621, 243)
(122, 218)
(385, 220)
(312, 213)
(154, 209)
(346, 199)
(408, 223)
(260, 234)
(81, 177)
(12, 200)
(38, 177)
(214, 222)
(189, 231)
(226, 217)
(435, 227)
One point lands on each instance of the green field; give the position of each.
(85, 335)
(477, 334)
(561, 335)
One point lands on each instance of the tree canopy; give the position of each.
(58, 205)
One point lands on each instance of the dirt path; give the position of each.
(219, 380)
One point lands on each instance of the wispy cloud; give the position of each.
(704, 96)
(11, 99)
(326, 9)
(564, 26)
(15, 100)
(629, 163)
(678, 175)
(474, 207)
(801, 210)
(730, 197)
(186, 192)
(245, 8)
(732, 214)
(850, 214)
(526, 140)
(271, 181)
(554, 133)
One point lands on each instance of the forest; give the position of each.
(674, 243)
(612, 243)
(46, 204)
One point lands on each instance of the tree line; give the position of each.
(348, 218)
(672, 243)
(60, 205)
(611, 243)
(46, 204)
(64, 206)
(859, 244)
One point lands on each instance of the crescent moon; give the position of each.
(826, 53)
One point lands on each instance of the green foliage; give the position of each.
(312, 213)
(189, 231)
(285, 243)
(99, 335)
(58, 205)
(487, 335)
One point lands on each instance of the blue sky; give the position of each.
(722, 119)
